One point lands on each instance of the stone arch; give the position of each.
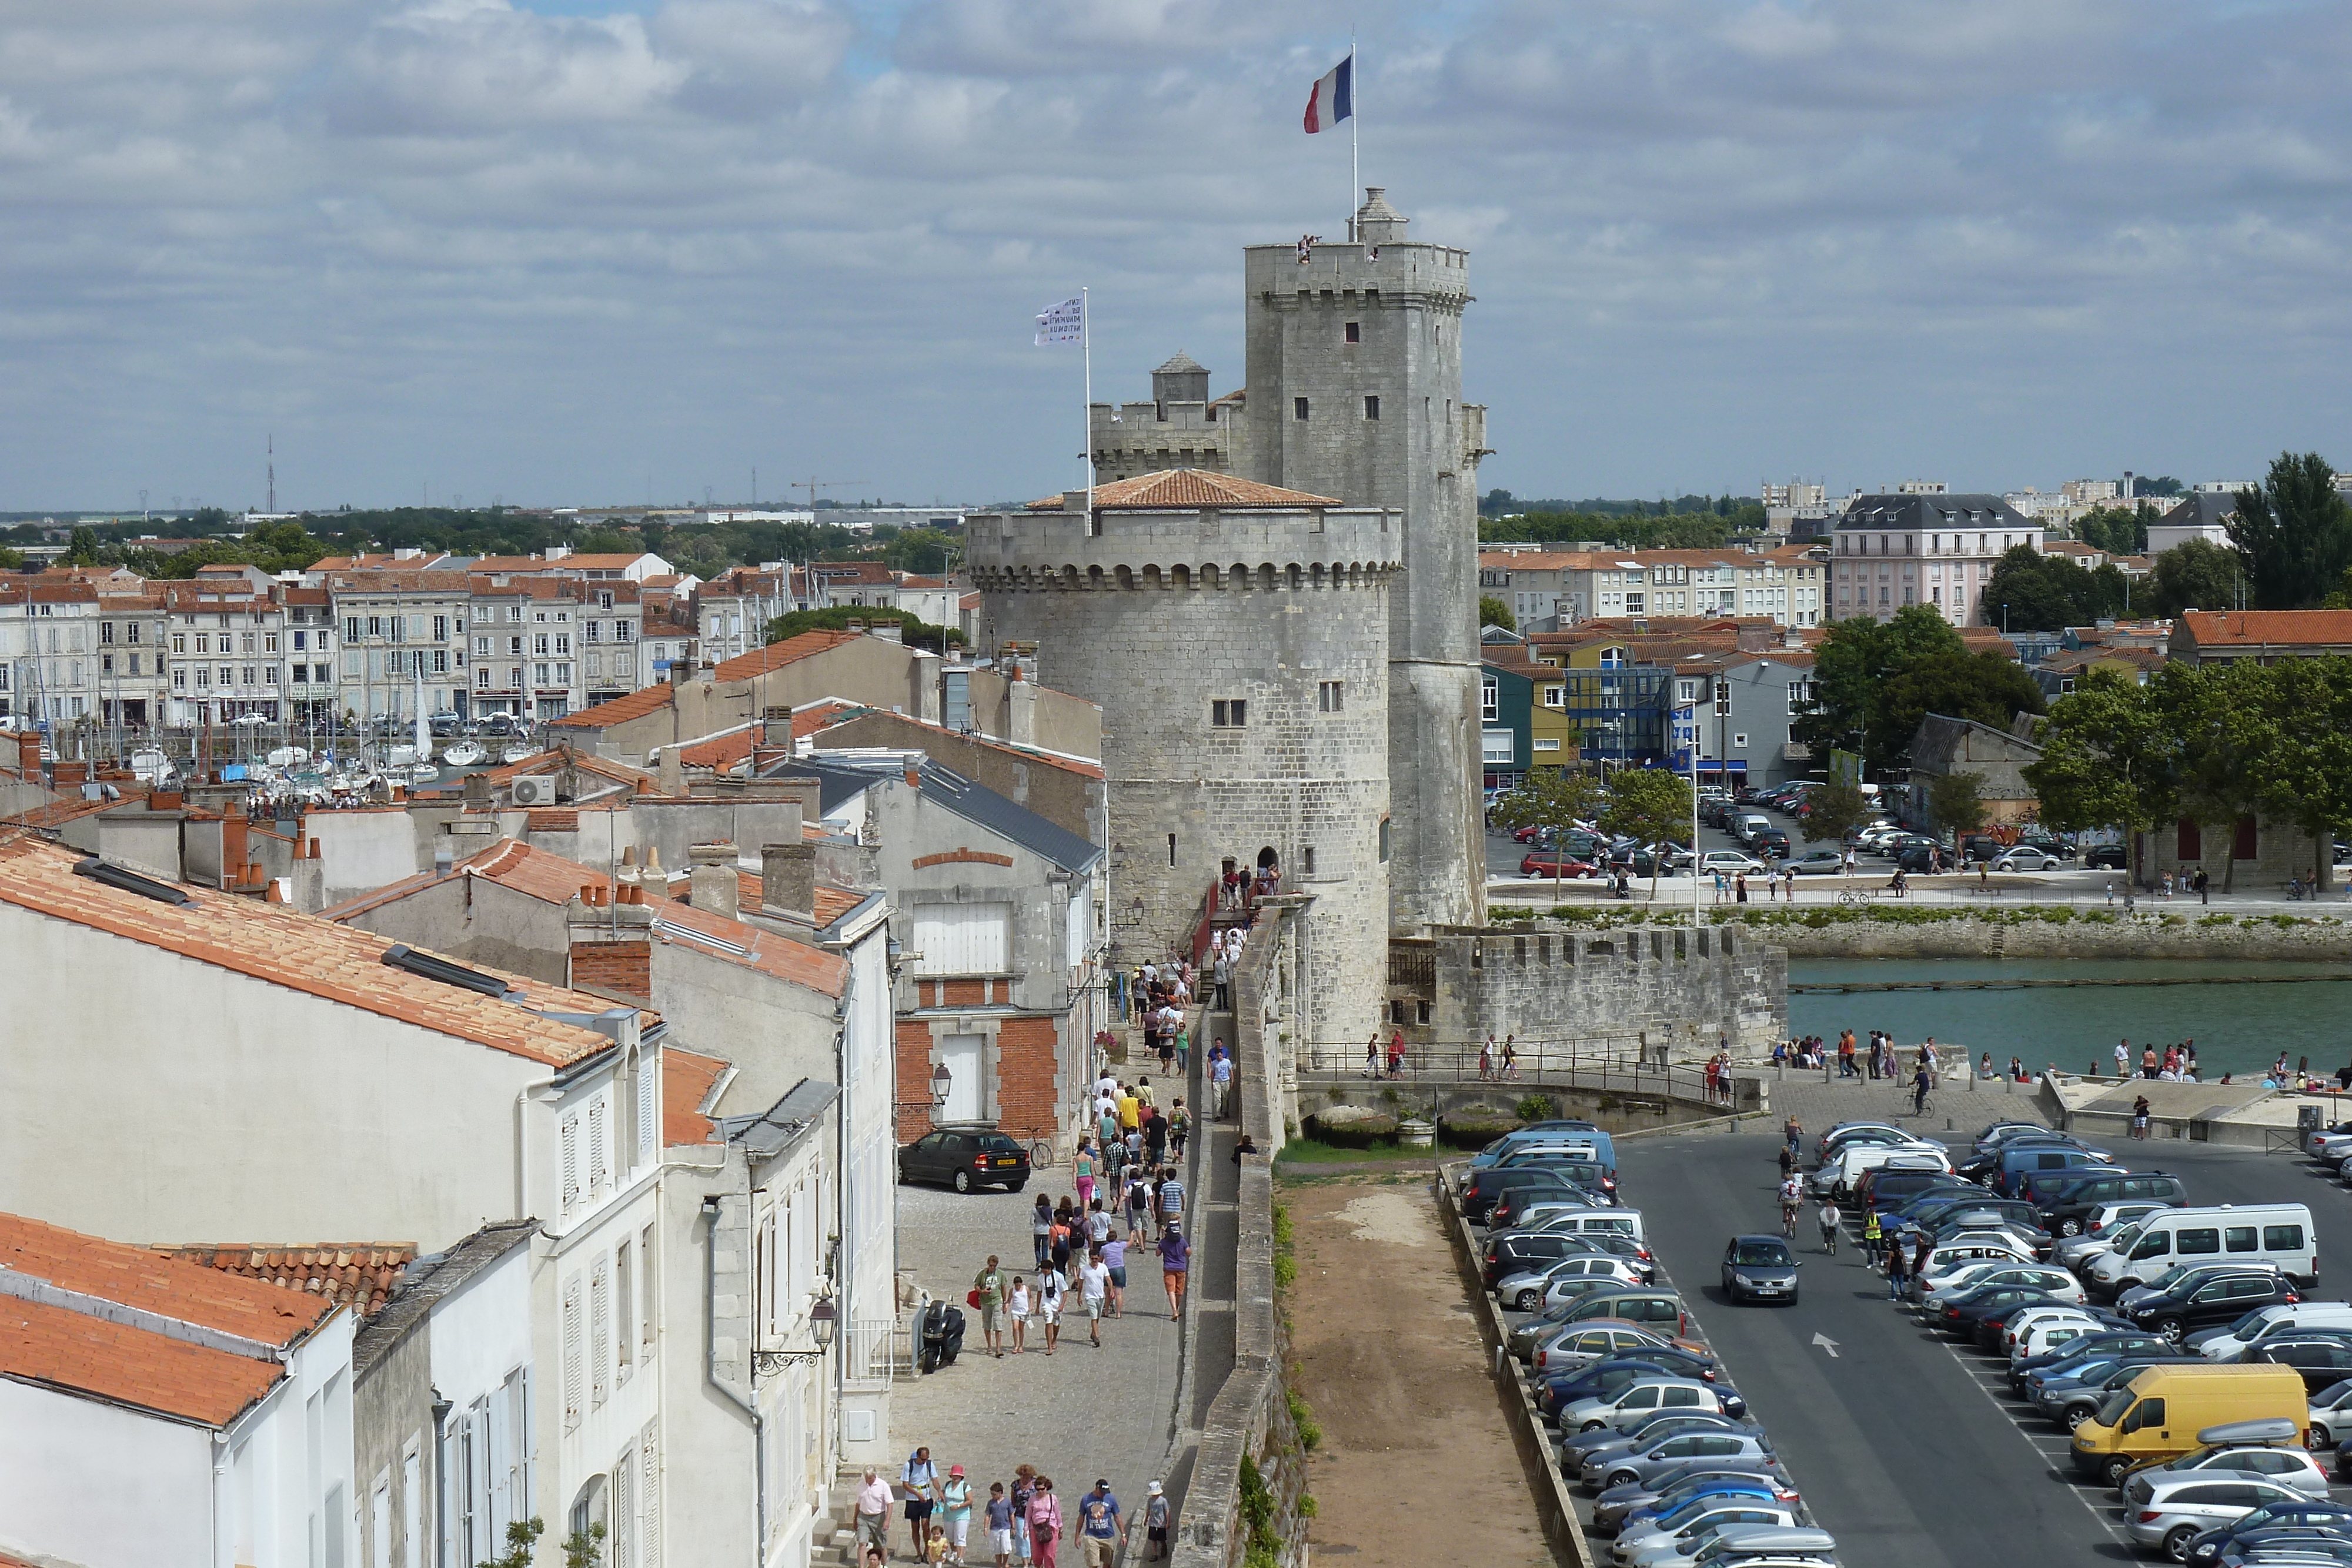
(1265, 575)
(1126, 576)
(1069, 577)
(1093, 577)
(1266, 857)
(1293, 575)
(1315, 574)
(1211, 577)
(1152, 576)
(1240, 576)
(1180, 576)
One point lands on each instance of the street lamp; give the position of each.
(824, 1318)
(942, 1081)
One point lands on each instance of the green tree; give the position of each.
(1989, 687)
(2030, 591)
(523, 1544)
(81, 549)
(1852, 666)
(2195, 575)
(1834, 809)
(2214, 786)
(1557, 798)
(918, 632)
(2110, 759)
(925, 551)
(1651, 804)
(2293, 532)
(12, 559)
(1493, 612)
(1956, 801)
(2119, 530)
(2292, 724)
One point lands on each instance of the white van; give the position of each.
(1856, 1158)
(2232, 1343)
(2279, 1234)
(1589, 1222)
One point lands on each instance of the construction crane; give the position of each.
(813, 484)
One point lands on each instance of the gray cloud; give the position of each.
(464, 243)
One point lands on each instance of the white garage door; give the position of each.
(963, 938)
(960, 1054)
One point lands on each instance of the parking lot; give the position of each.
(1904, 1444)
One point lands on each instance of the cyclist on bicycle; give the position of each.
(1831, 1219)
(1793, 1198)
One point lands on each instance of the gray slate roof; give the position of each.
(782, 1124)
(425, 1282)
(2201, 509)
(843, 774)
(1181, 363)
(1930, 512)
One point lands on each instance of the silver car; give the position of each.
(1637, 1402)
(1611, 1508)
(1683, 1544)
(2278, 1464)
(1531, 1292)
(1744, 1449)
(1681, 1523)
(1577, 1448)
(2177, 1512)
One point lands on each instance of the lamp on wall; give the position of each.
(824, 1318)
(943, 1080)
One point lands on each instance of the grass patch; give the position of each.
(1312, 1151)
(1302, 1416)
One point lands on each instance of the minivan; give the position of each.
(1603, 1221)
(2279, 1234)
(2065, 1211)
(1598, 1145)
(1659, 1310)
(1479, 1192)
(2016, 1162)
(1748, 824)
(2159, 1413)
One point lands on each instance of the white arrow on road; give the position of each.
(1827, 1344)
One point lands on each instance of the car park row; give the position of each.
(2173, 1350)
(1648, 1427)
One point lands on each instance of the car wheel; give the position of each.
(2175, 1543)
(2169, 1329)
(2316, 1436)
(2114, 1471)
(1593, 1425)
(2075, 1416)
(2069, 1228)
(1526, 1301)
(1016, 1185)
(1618, 1478)
(961, 1181)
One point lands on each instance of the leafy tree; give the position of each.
(1956, 801)
(1493, 612)
(2215, 787)
(1651, 804)
(1834, 809)
(1493, 503)
(2293, 532)
(926, 551)
(2119, 530)
(1554, 798)
(1989, 687)
(2292, 724)
(2165, 484)
(2110, 759)
(523, 1544)
(1851, 666)
(919, 633)
(2195, 575)
(82, 549)
(2030, 591)
(12, 559)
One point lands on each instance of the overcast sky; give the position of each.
(573, 253)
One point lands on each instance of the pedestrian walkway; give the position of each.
(1817, 1104)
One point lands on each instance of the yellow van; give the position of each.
(2158, 1414)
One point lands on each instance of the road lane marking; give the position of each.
(1827, 1344)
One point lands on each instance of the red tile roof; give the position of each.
(686, 1078)
(776, 656)
(155, 1281)
(2269, 628)
(1186, 487)
(273, 943)
(131, 1366)
(359, 1276)
(832, 903)
(619, 710)
(551, 878)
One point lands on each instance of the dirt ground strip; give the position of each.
(1415, 1466)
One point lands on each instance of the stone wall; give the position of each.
(1681, 990)
(2175, 932)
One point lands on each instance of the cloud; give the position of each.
(544, 255)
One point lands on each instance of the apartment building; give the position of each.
(1551, 592)
(527, 641)
(1933, 549)
(403, 641)
(733, 608)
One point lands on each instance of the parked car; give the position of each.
(2104, 857)
(2331, 1416)
(1700, 1520)
(2272, 1449)
(1731, 863)
(2305, 1519)
(1760, 1269)
(2324, 1359)
(2026, 857)
(1620, 1506)
(965, 1158)
(2068, 1203)
(1817, 863)
(1546, 863)
(1638, 1401)
(1663, 1453)
(2177, 1510)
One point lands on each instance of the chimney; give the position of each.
(626, 872)
(681, 670)
(788, 879)
(28, 750)
(914, 773)
(714, 888)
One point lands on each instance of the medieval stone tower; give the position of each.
(1355, 392)
(1237, 635)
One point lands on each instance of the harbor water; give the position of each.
(2238, 1027)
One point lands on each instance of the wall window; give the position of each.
(1372, 406)
(1228, 713)
(1490, 698)
(1800, 696)
(1384, 841)
(1327, 696)
(1298, 408)
(1555, 696)
(1355, 332)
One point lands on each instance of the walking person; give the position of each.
(1895, 1270)
(1486, 1059)
(1172, 1200)
(1114, 1257)
(1025, 1489)
(1041, 1229)
(1175, 1262)
(2139, 1112)
(1053, 1295)
(1155, 1524)
(987, 1286)
(1082, 1172)
(921, 1479)
(1094, 1291)
(1044, 1523)
(955, 1509)
(1016, 1307)
(1871, 1233)
(1373, 1055)
(1100, 1527)
(1180, 1127)
(1000, 1524)
(1221, 1081)
(873, 1513)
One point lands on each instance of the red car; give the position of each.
(1545, 864)
(1527, 835)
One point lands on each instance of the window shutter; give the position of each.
(649, 1499)
(599, 1158)
(571, 1163)
(648, 1109)
(600, 1330)
(624, 1513)
(574, 1393)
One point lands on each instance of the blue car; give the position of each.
(1702, 1494)
(2316, 1517)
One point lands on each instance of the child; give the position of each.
(1017, 1307)
(1155, 1524)
(935, 1548)
(1000, 1524)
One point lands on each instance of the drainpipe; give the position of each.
(218, 1531)
(523, 1145)
(710, 1203)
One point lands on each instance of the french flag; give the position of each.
(1334, 97)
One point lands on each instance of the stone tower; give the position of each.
(1237, 635)
(1355, 391)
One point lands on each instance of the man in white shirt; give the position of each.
(1094, 1287)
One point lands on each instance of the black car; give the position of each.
(2074, 1354)
(1760, 1269)
(1490, 1182)
(1524, 1250)
(965, 1158)
(2203, 1300)
(2317, 1517)
(1512, 1202)
(2104, 857)
(1960, 1314)
(2064, 1211)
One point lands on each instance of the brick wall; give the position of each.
(914, 1107)
(625, 968)
(1026, 1049)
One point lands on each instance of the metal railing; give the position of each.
(875, 1350)
(1611, 1064)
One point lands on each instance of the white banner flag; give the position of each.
(1063, 323)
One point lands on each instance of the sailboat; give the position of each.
(464, 754)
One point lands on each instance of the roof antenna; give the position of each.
(272, 506)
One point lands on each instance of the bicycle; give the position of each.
(1788, 1220)
(1829, 1238)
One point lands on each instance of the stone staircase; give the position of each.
(834, 1539)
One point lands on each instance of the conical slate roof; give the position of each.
(1179, 365)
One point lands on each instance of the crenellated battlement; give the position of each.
(1286, 549)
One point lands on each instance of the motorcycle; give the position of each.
(942, 1335)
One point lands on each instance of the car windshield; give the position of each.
(998, 1143)
(1761, 1253)
(2113, 1410)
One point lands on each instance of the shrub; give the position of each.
(1534, 1108)
(2099, 917)
(2217, 920)
(1310, 1434)
(1351, 1131)
(1261, 1543)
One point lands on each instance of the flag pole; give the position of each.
(1086, 354)
(1355, 166)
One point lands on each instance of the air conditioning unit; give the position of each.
(532, 791)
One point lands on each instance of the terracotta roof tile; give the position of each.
(155, 1281)
(619, 710)
(1187, 487)
(358, 1275)
(776, 656)
(551, 878)
(275, 944)
(2274, 628)
(128, 1365)
(686, 1078)
(1078, 765)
